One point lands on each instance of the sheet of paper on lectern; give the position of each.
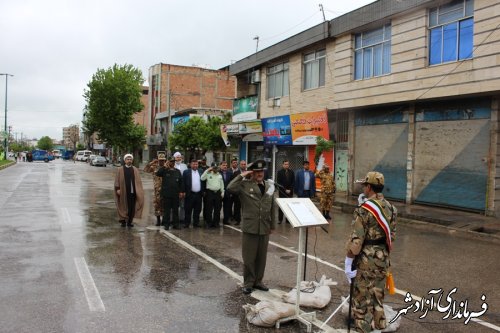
(302, 213)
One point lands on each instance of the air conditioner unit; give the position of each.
(276, 102)
(255, 76)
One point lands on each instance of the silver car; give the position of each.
(99, 161)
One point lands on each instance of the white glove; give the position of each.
(270, 190)
(349, 273)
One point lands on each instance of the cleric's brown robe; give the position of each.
(121, 201)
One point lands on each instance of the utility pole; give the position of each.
(5, 142)
(257, 46)
(323, 11)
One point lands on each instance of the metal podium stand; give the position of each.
(301, 213)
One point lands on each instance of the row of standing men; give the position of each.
(180, 191)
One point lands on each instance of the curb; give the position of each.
(7, 165)
(427, 221)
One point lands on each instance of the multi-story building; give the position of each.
(179, 92)
(71, 136)
(410, 88)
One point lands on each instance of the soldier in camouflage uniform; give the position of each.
(153, 167)
(327, 190)
(369, 245)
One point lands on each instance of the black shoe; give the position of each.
(196, 226)
(176, 227)
(130, 225)
(166, 227)
(261, 287)
(237, 223)
(225, 223)
(123, 224)
(246, 291)
(279, 222)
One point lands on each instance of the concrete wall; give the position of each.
(411, 77)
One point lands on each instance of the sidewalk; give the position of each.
(446, 217)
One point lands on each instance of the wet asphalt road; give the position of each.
(67, 266)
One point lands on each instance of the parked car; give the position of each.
(83, 155)
(90, 158)
(98, 161)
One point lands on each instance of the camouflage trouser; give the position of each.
(367, 300)
(326, 201)
(158, 204)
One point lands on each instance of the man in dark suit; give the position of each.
(305, 182)
(227, 176)
(235, 198)
(285, 180)
(194, 189)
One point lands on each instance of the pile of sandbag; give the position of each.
(267, 313)
(312, 294)
(389, 314)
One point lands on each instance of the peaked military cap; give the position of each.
(258, 165)
(161, 157)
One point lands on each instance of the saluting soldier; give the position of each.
(172, 190)
(327, 190)
(257, 212)
(153, 167)
(369, 246)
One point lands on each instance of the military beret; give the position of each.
(258, 165)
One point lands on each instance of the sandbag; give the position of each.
(389, 314)
(267, 313)
(312, 294)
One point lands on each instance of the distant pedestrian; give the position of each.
(327, 191)
(172, 191)
(153, 167)
(214, 193)
(286, 181)
(367, 254)
(305, 182)
(129, 194)
(257, 209)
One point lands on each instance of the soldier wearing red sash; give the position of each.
(368, 246)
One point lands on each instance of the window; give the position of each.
(372, 53)
(277, 81)
(451, 32)
(314, 69)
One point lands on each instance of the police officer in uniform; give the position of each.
(368, 246)
(153, 167)
(327, 190)
(172, 190)
(257, 212)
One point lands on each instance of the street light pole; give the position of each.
(5, 142)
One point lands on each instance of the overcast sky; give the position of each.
(52, 47)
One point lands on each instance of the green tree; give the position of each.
(321, 146)
(79, 146)
(45, 143)
(198, 133)
(113, 96)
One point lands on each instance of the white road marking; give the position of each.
(91, 293)
(398, 291)
(273, 294)
(65, 216)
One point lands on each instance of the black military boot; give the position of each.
(158, 221)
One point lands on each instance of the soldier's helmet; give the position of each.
(373, 178)
(161, 157)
